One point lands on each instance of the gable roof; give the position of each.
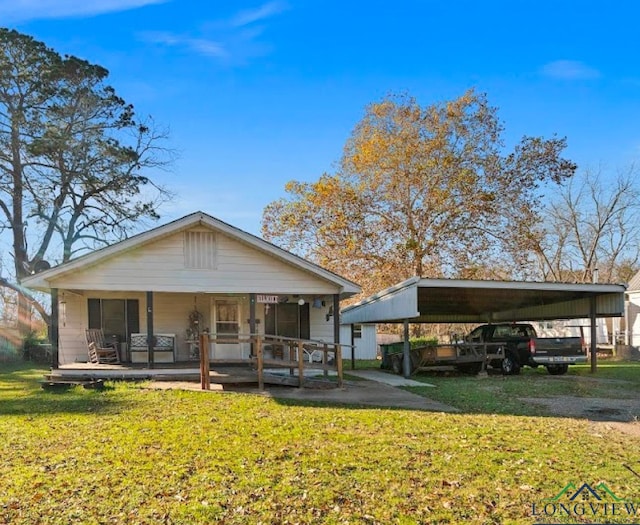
(43, 279)
(634, 283)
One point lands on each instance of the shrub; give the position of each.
(417, 342)
(36, 348)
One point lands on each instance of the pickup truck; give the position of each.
(510, 346)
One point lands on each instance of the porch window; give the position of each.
(227, 317)
(116, 317)
(288, 320)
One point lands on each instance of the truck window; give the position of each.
(475, 335)
(522, 330)
(502, 331)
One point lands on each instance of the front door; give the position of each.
(225, 323)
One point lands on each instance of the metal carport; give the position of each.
(420, 300)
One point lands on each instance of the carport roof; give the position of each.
(421, 300)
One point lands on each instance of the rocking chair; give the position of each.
(99, 351)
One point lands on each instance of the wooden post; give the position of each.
(54, 333)
(300, 364)
(260, 362)
(292, 353)
(205, 379)
(150, 341)
(339, 363)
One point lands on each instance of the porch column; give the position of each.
(252, 321)
(150, 340)
(54, 332)
(336, 335)
(336, 318)
(252, 313)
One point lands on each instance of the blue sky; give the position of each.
(256, 94)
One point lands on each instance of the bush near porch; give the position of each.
(133, 455)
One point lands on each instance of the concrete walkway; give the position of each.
(386, 378)
(355, 394)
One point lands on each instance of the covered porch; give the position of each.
(273, 361)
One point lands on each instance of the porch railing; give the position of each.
(269, 351)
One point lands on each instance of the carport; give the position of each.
(420, 300)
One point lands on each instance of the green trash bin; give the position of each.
(388, 349)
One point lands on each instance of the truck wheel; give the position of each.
(510, 366)
(557, 370)
(396, 364)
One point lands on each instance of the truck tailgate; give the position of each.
(559, 350)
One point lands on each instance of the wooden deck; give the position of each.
(272, 360)
(237, 374)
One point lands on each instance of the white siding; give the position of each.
(366, 346)
(321, 329)
(160, 266)
(74, 322)
(633, 321)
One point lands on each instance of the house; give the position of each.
(575, 328)
(632, 312)
(191, 276)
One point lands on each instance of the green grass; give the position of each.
(360, 364)
(133, 455)
(498, 394)
(620, 370)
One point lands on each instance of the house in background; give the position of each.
(576, 328)
(196, 274)
(632, 312)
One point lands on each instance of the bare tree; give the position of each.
(593, 223)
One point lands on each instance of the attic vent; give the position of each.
(200, 250)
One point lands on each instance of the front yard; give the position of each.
(133, 455)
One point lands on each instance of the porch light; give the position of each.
(301, 302)
(329, 313)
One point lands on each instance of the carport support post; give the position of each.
(406, 351)
(594, 335)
